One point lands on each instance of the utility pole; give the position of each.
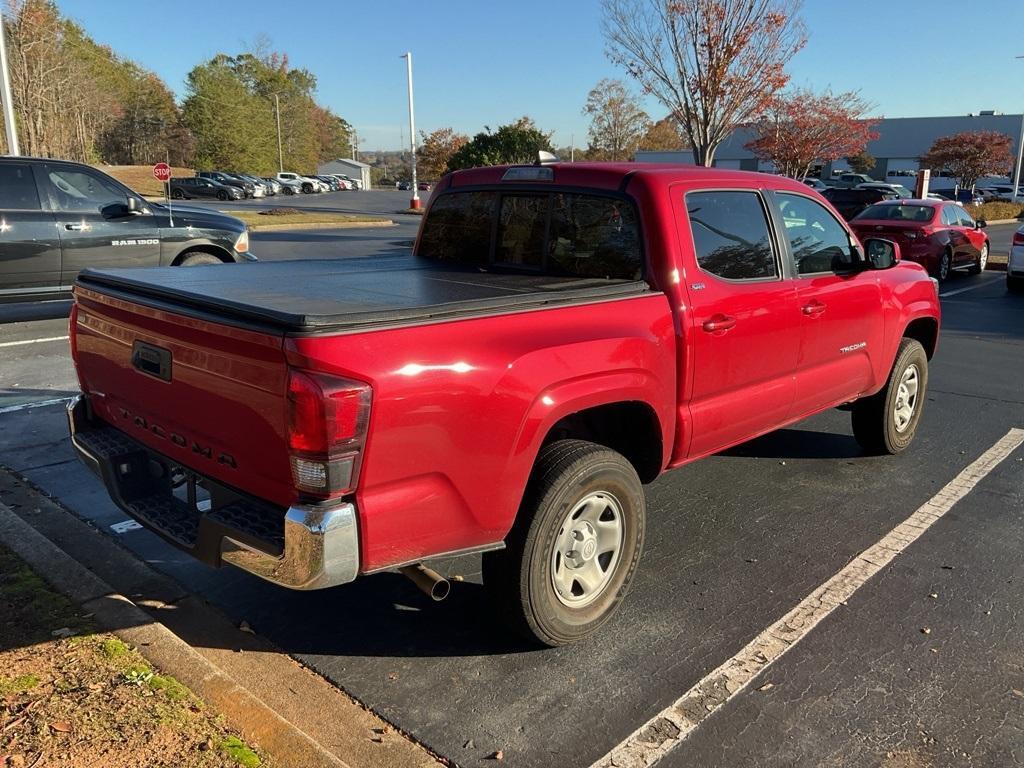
(280, 154)
(572, 148)
(355, 145)
(415, 202)
(1020, 156)
(5, 95)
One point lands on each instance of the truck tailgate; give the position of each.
(207, 395)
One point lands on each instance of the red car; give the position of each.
(561, 335)
(940, 236)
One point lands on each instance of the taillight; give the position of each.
(1018, 238)
(73, 337)
(327, 420)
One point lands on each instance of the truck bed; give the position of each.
(346, 294)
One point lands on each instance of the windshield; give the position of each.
(921, 213)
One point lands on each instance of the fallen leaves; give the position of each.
(61, 726)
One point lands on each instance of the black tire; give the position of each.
(289, 191)
(199, 260)
(1015, 284)
(307, 188)
(875, 422)
(944, 267)
(177, 194)
(520, 579)
(979, 266)
(222, 195)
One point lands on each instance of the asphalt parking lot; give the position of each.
(921, 666)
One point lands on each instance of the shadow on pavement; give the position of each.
(38, 310)
(798, 444)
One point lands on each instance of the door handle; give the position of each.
(76, 227)
(814, 308)
(719, 323)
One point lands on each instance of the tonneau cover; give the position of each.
(338, 294)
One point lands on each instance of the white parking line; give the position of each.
(36, 404)
(981, 284)
(32, 341)
(659, 735)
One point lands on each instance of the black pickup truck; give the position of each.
(58, 217)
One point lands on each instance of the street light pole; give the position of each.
(1020, 155)
(415, 202)
(280, 154)
(5, 95)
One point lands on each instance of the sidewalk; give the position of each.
(296, 717)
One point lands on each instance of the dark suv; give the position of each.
(231, 180)
(187, 188)
(57, 218)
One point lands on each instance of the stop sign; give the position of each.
(161, 171)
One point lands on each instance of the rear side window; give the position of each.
(558, 233)
(18, 188)
(730, 235)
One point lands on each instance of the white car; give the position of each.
(306, 184)
(1015, 267)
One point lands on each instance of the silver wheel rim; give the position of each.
(587, 550)
(944, 267)
(983, 259)
(906, 397)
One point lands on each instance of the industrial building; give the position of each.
(901, 141)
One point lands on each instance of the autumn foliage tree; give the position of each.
(800, 127)
(970, 155)
(617, 121)
(714, 64)
(663, 135)
(436, 150)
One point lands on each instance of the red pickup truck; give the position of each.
(560, 335)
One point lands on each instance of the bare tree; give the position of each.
(715, 64)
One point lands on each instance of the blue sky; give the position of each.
(479, 62)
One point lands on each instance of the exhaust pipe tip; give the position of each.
(429, 581)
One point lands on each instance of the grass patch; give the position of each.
(294, 216)
(114, 648)
(20, 684)
(140, 177)
(111, 706)
(239, 751)
(174, 690)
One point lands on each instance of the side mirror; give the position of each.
(981, 223)
(881, 254)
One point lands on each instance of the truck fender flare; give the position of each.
(564, 398)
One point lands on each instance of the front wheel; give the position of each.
(979, 266)
(887, 421)
(222, 195)
(289, 191)
(574, 548)
(177, 194)
(199, 260)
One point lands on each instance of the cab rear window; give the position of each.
(558, 233)
(17, 188)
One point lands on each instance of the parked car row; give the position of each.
(239, 186)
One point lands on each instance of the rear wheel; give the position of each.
(979, 266)
(574, 548)
(887, 421)
(199, 260)
(944, 266)
(1015, 284)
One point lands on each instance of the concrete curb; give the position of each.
(116, 613)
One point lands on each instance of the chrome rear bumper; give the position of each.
(303, 547)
